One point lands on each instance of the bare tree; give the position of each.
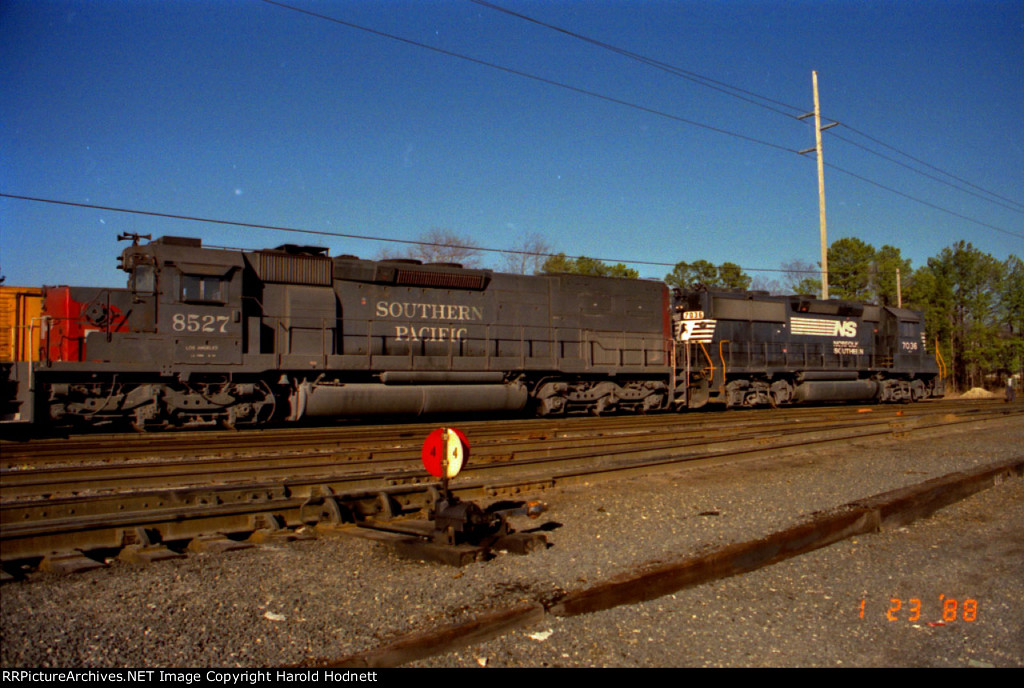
(772, 286)
(801, 277)
(528, 255)
(438, 246)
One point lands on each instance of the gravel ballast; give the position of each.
(325, 599)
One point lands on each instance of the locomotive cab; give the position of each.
(181, 307)
(162, 351)
(900, 343)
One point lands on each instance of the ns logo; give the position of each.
(823, 327)
(846, 329)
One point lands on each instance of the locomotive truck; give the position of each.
(203, 336)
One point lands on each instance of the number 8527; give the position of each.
(196, 322)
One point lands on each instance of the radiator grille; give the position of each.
(276, 267)
(422, 278)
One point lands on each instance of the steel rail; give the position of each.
(49, 480)
(112, 521)
(91, 448)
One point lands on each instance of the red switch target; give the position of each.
(445, 452)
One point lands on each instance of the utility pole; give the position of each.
(821, 182)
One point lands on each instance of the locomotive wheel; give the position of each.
(918, 391)
(155, 426)
(605, 404)
(146, 418)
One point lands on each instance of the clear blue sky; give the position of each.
(243, 111)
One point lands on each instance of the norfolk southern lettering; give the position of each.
(450, 314)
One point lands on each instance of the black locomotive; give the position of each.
(203, 336)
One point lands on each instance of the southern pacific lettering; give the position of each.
(427, 333)
(448, 312)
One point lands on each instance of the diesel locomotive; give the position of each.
(204, 336)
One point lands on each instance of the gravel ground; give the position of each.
(328, 598)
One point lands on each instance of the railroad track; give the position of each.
(212, 443)
(51, 475)
(51, 502)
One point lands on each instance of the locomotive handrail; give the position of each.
(940, 360)
(711, 374)
(18, 334)
(323, 339)
(106, 316)
(670, 356)
(686, 351)
(721, 356)
(586, 349)
(616, 351)
(522, 348)
(31, 339)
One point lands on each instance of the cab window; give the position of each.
(908, 329)
(144, 279)
(202, 289)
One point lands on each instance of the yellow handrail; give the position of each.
(721, 356)
(711, 376)
(939, 360)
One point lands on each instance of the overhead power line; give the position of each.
(1018, 205)
(923, 202)
(487, 249)
(940, 180)
(619, 101)
(345, 235)
(762, 101)
(714, 84)
(534, 77)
